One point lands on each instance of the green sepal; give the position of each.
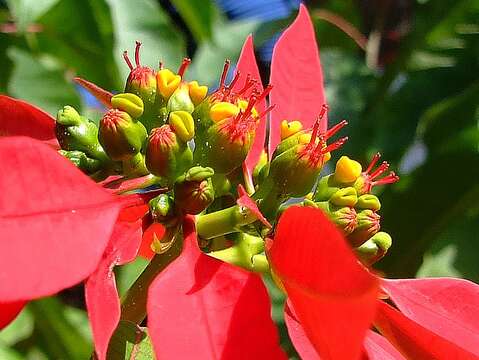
(180, 100)
(375, 248)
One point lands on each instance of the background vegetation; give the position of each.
(405, 73)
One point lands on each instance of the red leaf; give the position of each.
(378, 348)
(297, 77)
(297, 335)
(9, 311)
(445, 306)
(101, 295)
(247, 65)
(202, 308)
(54, 221)
(19, 118)
(413, 340)
(333, 295)
(245, 201)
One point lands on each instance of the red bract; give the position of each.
(101, 294)
(202, 308)
(438, 318)
(332, 294)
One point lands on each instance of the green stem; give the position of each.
(223, 222)
(246, 253)
(134, 303)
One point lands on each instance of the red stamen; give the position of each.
(380, 170)
(265, 92)
(373, 162)
(264, 113)
(226, 67)
(137, 54)
(315, 132)
(335, 129)
(248, 84)
(234, 81)
(184, 65)
(389, 179)
(335, 145)
(127, 59)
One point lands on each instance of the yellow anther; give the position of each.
(197, 92)
(290, 128)
(347, 170)
(183, 125)
(326, 157)
(167, 82)
(223, 110)
(243, 104)
(130, 103)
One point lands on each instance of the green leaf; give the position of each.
(9, 354)
(440, 264)
(40, 81)
(26, 12)
(61, 338)
(198, 16)
(18, 330)
(130, 342)
(128, 273)
(144, 20)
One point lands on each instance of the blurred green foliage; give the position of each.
(409, 86)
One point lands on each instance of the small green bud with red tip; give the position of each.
(375, 248)
(368, 224)
(121, 136)
(167, 155)
(194, 190)
(81, 161)
(162, 209)
(77, 133)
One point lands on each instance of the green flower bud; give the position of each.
(183, 125)
(344, 197)
(194, 190)
(130, 103)
(325, 189)
(81, 161)
(121, 136)
(344, 217)
(375, 248)
(75, 132)
(180, 100)
(166, 155)
(162, 209)
(368, 201)
(368, 225)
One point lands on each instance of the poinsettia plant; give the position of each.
(217, 189)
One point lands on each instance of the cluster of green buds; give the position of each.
(170, 134)
(345, 196)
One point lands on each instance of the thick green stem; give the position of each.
(223, 222)
(134, 303)
(246, 253)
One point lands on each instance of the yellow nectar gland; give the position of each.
(347, 170)
(197, 92)
(291, 128)
(223, 110)
(128, 102)
(167, 82)
(243, 104)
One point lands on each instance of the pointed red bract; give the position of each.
(152, 230)
(297, 77)
(333, 295)
(447, 307)
(202, 308)
(9, 311)
(19, 118)
(54, 221)
(247, 65)
(101, 295)
(245, 201)
(378, 347)
(297, 335)
(413, 340)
